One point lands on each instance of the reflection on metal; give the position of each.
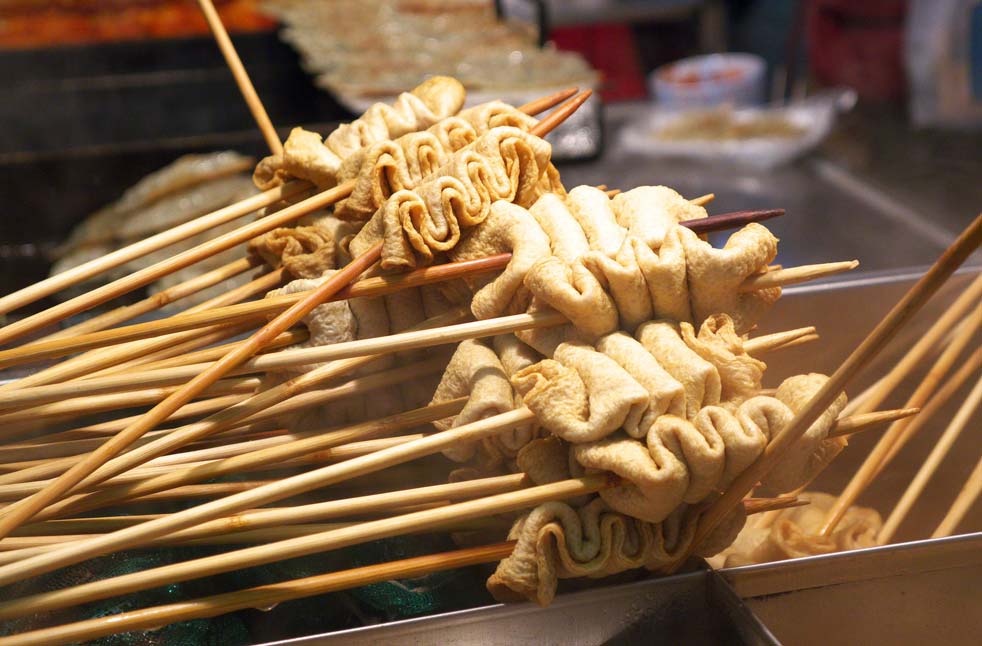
(692, 608)
(926, 592)
(858, 565)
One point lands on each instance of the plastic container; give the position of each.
(707, 81)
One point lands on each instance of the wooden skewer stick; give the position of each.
(189, 353)
(320, 511)
(227, 241)
(399, 342)
(260, 453)
(142, 248)
(966, 498)
(367, 287)
(241, 77)
(160, 299)
(287, 397)
(760, 505)
(731, 220)
(777, 340)
(64, 483)
(544, 103)
(931, 464)
(60, 445)
(94, 363)
(185, 258)
(913, 300)
(874, 396)
(290, 337)
(896, 435)
(263, 408)
(795, 275)
(260, 596)
(265, 595)
(937, 402)
(808, 338)
(176, 234)
(101, 430)
(147, 472)
(846, 426)
(259, 496)
(324, 541)
(703, 200)
(254, 311)
(118, 400)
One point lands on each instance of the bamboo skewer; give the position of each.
(951, 386)
(966, 498)
(261, 597)
(18, 513)
(778, 340)
(266, 407)
(375, 287)
(103, 429)
(796, 275)
(320, 511)
(144, 247)
(324, 541)
(287, 487)
(260, 406)
(703, 200)
(398, 342)
(150, 471)
(257, 310)
(931, 464)
(846, 426)
(542, 104)
(874, 396)
(276, 147)
(288, 338)
(227, 241)
(241, 76)
(113, 400)
(160, 299)
(142, 352)
(185, 258)
(279, 448)
(176, 234)
(188, 352)
(273, 451)
(896, 435)
(267, 595)
(912, 301)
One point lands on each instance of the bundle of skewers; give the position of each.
(583, 360)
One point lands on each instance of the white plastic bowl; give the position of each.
(711, 80)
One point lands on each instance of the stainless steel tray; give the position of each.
(914, 592)
(923, 592)
(692, 608)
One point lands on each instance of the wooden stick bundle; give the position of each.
(896, 436)
(370, 287)
(398, 342)
(912, 301)
(966, 498)
(931, 464)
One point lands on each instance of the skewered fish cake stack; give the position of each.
(672, 411)
(630, 269)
